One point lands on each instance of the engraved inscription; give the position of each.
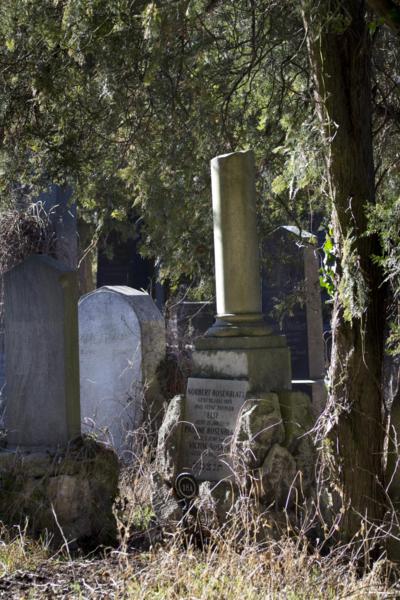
(212, 408)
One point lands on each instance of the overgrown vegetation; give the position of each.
(244, 559)
(24, 232)
(127, 101)
(284, 570)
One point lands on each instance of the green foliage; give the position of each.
(128, 101)
(328, 269)
(393, 341)
(384, 219)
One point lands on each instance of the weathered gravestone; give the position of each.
(42, 366)
(62, 213)
(239, 418)
(62, 216)
(49, 475)
(295, 282)
(291, 276)
(212, 409)
(121, 343)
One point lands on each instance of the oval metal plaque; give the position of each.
(186, 486)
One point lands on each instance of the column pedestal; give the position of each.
(262, 360)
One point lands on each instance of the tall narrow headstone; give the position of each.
(122, 341)
(239, 345)
(291, 279)
(238, 350)
(62, 213)
(57, 202)
(42, 360)
(313, 305)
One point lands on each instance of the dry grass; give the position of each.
(171, 571)
(24, 232)
(245, 559)
(18, 551)
(234, 564)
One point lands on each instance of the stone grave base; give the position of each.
(263, 360)
(67, 495)
(272, 458)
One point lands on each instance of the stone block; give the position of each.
(278, 477)
(298, 420)
(67, 494)
(259, 428)
(297, 416)
(122, 341)
(169, 440)
(212, 408)
(316, 390)
(42, 364)
(264, 361)
(165, 504)
(216, 501)
(305, 457)
(210, 508)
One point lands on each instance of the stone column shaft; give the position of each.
(237, 266)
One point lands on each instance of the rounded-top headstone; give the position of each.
(122, 341)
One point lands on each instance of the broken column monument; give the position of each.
(48, 473)
(121, 343)
(239, 420)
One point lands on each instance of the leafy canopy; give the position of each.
(128, 100)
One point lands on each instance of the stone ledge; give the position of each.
(240, 342)
(68, 494)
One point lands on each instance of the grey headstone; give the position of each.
(122, 341)
(57, 202)
(41, 343)
(292, 271)
(211, 413)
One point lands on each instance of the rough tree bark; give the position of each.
(339, 50)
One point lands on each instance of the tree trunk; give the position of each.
(339, 50)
